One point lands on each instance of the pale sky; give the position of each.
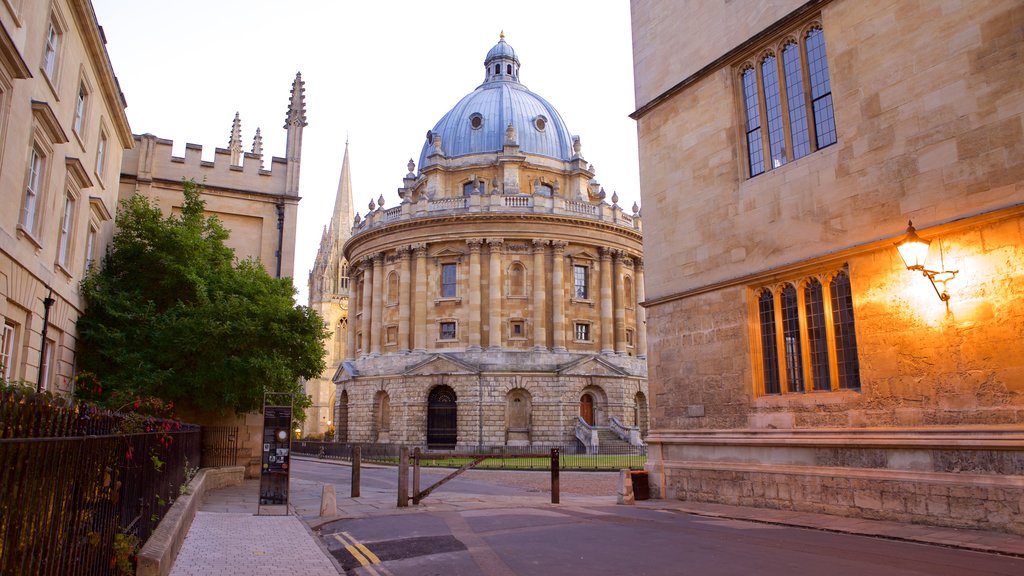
(381, 73)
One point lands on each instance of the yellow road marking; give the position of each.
(366, 551)
(357, 550)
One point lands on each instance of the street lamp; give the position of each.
(914, 251)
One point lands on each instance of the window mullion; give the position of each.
(780, 341)
(830, 332)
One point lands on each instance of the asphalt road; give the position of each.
(613, 540)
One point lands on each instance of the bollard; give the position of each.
(554, 475)
(625, 491)
(416, 476)
(357, 460)
(328, 502)
(403, 476)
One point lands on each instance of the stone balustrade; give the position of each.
(510, 203)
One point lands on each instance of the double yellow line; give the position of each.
(362, 554)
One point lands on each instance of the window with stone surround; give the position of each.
(33, 190)
(391, 296)
(517, 329)
(581, 281)
(7, 342)
(448, 280)
(581, 332)
(447, 330)
(786, 98)
(52, 48)
(805, 335)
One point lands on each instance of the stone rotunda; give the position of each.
(496, 304)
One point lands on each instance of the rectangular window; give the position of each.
(448, 283)
(776, 89)
(7, 342)
(517, 329)
(66, 230)
(581, 281)
(32, 190)
(795, 316)
(629, 337)
(447, 331)
(101, 154)
(44, 381)
(391, 335)
(582, 332)
(90, 247)
(80, 109)
(50, 51)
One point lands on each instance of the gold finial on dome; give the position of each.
(502, 35)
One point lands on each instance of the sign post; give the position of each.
(276, 454)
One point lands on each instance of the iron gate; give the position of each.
(442, 418)
(219, 446)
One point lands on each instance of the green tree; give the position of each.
(170, 314)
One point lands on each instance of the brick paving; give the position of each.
(239, 543)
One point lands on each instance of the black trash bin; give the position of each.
(641, 489)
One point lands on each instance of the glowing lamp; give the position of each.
(914, 251)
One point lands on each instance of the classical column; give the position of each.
(419, 320)
(558, 294)
(364, 323)
(641, 312)
(404, 298)
(620, 306)
(494, 303)
(474, 293)
(607, 336)
(540, 343)
(377, 318)
(350, 332)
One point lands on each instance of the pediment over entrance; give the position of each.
(345, 372)
(441, 364)
(591, 366)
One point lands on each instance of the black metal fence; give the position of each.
(571, 457)
(220, 446)
(82, 488)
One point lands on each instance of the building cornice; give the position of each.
(95, 45)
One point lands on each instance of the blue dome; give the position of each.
(477, 124)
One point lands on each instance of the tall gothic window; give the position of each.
(801, 350)
(788, 80)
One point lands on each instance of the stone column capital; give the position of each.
(606, 252)
(558, 246)
(404, 252)
(474, 244)
(495, 243)
(420, 249)
(638, 263)
(378, 258)
(538, 245)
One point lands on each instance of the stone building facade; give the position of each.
(62, 132)
(796, 361)
(258, 205)
(329, 296)
(496, 304)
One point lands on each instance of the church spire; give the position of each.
(257, 143)
(235, 141)
(341, 223)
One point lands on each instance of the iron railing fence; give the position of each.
(220, 446)
(26, 414)
(82, 505)
(571, 457)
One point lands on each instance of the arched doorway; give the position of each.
(442, 418)
(587, 408)
(517, 415)
(640, 413)
(341, 418)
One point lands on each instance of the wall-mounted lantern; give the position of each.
(914, 251)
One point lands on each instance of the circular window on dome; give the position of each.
(476, 121)
(540, 123)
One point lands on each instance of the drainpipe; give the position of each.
(47, 303)
(280, 236)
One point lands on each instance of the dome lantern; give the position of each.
(501, 63)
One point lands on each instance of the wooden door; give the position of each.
(587, 409)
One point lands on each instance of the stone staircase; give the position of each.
(610, 443)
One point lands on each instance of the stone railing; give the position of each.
(497, 203)
(586, 434)
(630, 434)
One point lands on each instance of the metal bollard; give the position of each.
(357, 460)
(554, 475)
(416, 476)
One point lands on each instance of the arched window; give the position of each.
(474, 187)
(627, 292)
(508, 69)
(392, 289)
(517, 280)
(442, 418)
